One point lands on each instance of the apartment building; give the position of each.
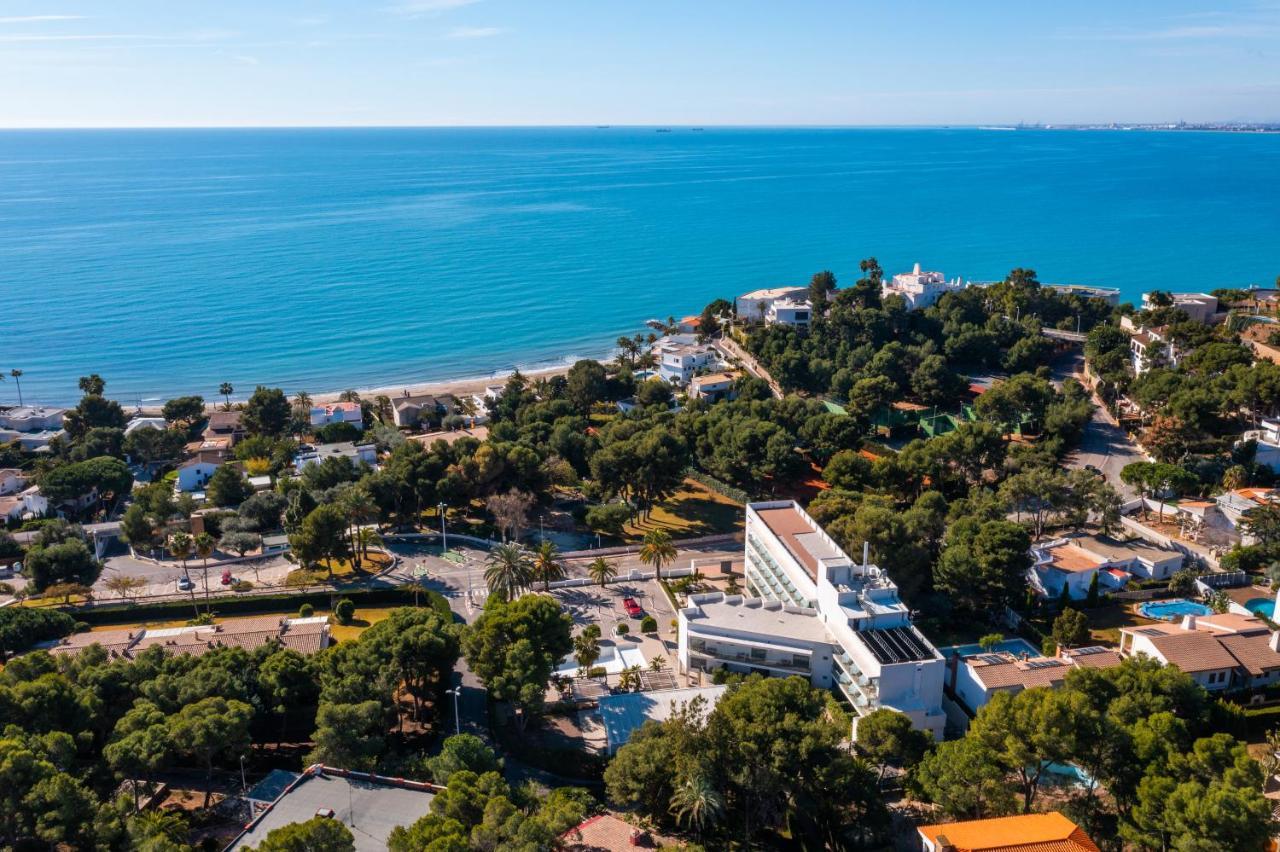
(811, 610)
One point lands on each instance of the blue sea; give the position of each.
(170, 261)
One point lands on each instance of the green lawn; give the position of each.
(694, 510)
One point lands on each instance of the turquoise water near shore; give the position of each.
(170, 261)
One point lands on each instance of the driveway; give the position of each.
(1104, 445)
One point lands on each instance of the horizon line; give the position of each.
(1146, 125)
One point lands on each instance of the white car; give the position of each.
(185, 584)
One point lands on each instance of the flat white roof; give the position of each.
(623, 714)
(767, 619)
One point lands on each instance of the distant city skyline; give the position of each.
(139, 63)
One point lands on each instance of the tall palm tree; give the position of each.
(180, 545)
(417, 585)
(367, 537)
(601, 571)
(204, 545)
(696, 803)
(302, 403)
(226, 390)
(657, 551)
(507, 571)
(17, 377)
(546, 564)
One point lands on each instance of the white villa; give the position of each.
(316, 453)
(812, 611)
(338, 412)
(680, 356)
(793, 312)
(32, 426)
(1268, 438)
(1074, 559)
(713, 386)
(1200, 307)
(1235, 504)
(195, 472)
(1150, 348)
(920, 289)
(754, 306)
(12, 480)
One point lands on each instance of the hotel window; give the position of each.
(758, 653)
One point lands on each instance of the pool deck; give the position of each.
(1013, 646)
(1244, 594)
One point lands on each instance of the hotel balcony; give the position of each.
(797, 663)
(847, 672)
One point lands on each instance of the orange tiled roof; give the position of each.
(1069, 557)
(1051, 832)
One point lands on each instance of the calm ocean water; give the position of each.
(171, 261)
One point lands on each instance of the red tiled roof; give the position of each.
(1051, 832)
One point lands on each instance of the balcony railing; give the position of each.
(748, 659)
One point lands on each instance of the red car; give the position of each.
(226, 578)
(633, 609)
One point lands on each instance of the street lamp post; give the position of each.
(444, 536)
(457, 720)
(244, 788)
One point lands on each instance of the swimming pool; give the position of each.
(1265, 607)
(1013, 646)
(1172, 610)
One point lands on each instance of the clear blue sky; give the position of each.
(343, 62)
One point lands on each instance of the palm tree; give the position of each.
(547, 565)
(180, 545)
(601, 571)
(17, 376)
(226, 390)
(204, 545)
(417, 585)
(1235, 477)
(383, 409)
(302, 403)
(586, 649)
(507, 570)
(657, 551)
(367, 537)
(696, 803)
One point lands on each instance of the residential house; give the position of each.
(412, 412)
(1110, 295)
(754, 306)
(1047, 832)
(195, 472)
(1135, 556)
(338, 412)
(225, 424)
(1200, 307)
(31, 426)
(316, 453)
(1225, 651)
(680, 356)
(1062, 562)
(1267, 439)
(12, 480)
(797, 313)
(158, 423)
(1234, 505)
(920, 289)
(810, 610)
(690, 324)
(608, 832)
(976, 678)
(713, 386)
(11, 509)
(1150, 348)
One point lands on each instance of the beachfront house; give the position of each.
(811, 610)
(224, 428)
(1200, 307)
(976, 678)
(308, 454)
(338, 412)
(1046, 832)
(680, 356)
(31, 426)
(797, 313)
(1110, 295)
(418, 411)
(1220, 651)
(195, 472)
(920, 289)
(754, 306)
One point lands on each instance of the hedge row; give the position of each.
(722, 488)
(254, 604)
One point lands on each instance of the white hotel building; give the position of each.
(812, 611)
(920, 289)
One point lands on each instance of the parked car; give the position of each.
(633, 609)
(1093, 470)
(185, 584)
(226, 578)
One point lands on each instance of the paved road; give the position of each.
(1104, 444)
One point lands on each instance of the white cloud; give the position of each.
(36, 19)
(418, 8)
(245, 60)
(474, 32)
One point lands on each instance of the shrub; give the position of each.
(648, 624)
(344, 610)
(242, 585)
(596, 671)
(202, 620)
(306, 611)
(622, 629)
